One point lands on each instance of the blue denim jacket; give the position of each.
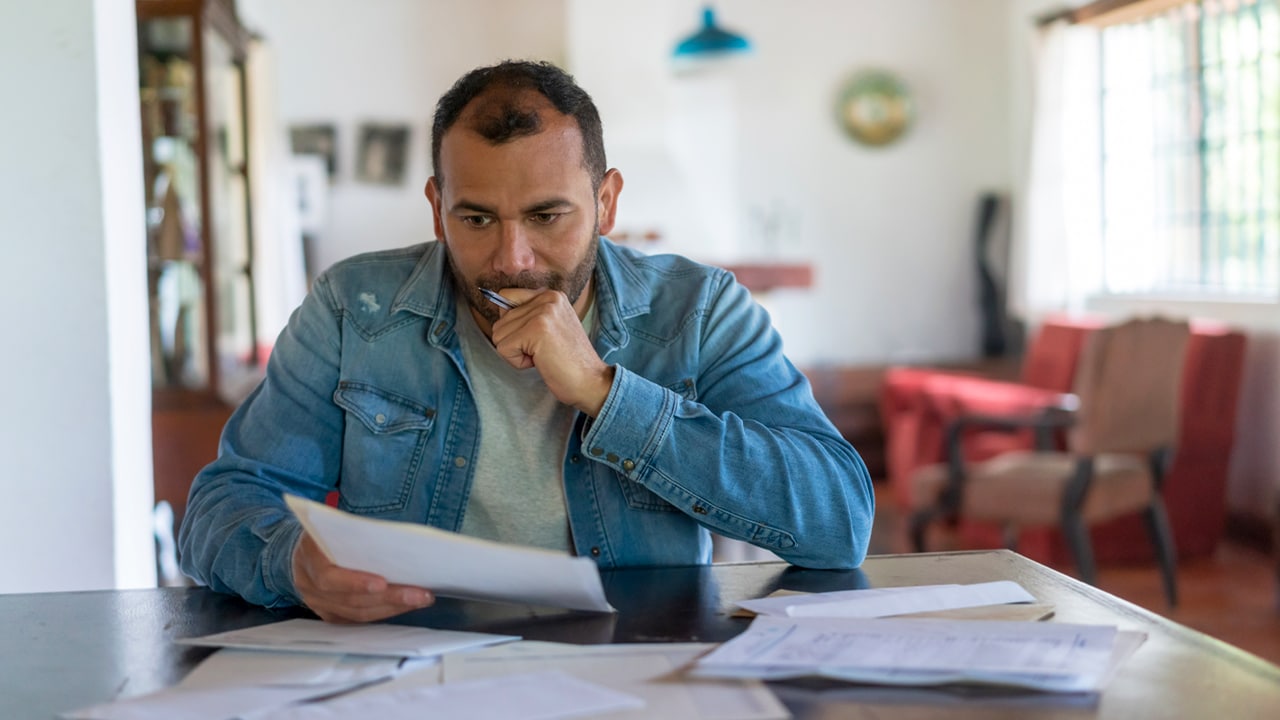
(707, 426)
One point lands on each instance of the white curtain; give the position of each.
(279, 274)
(1057, 253)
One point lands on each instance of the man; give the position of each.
(623, 406)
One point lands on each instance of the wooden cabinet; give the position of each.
(204, 355)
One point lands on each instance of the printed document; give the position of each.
(1044, 656)
(450, 564)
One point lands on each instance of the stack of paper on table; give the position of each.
(452, 565)
(545, 695)
(315, 636)
(956, 601)
(269, 667)
(1052, 657)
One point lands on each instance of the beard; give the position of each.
(571, 284)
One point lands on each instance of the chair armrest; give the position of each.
(1043, 422)
(1046, 420)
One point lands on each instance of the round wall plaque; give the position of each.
(875, 108)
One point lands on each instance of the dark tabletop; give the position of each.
(61, 651)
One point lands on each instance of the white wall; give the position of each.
(74, 433)
(347, 62)
(889, 230)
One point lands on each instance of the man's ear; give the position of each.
(607, 200)
(433, 194)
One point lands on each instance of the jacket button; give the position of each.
(612, 458)
(628, 465)
(597, 451)
(698, 509)
(439, 328)
(574, 458)
(380, 419)
(595, 552)
(460, 461)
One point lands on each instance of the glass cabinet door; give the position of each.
(175, 236)
(199, 240)
(232, 266)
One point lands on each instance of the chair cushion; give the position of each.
(1025, 488)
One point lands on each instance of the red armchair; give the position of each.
(918, 404)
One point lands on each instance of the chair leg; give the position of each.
(1162, 538)
(919, 524)
(1010, 534)
(1077, 535)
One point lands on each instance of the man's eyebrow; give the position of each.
(472, 207)
(538, 207)
(549, 204)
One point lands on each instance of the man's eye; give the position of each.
(477, 221)
(545, 218)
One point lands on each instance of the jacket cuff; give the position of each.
(616, 439)
(277, 562)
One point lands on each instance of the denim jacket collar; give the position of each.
(620, 294)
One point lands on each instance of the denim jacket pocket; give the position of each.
(638, 496)
(382, 447)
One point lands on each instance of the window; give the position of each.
(1191, 151)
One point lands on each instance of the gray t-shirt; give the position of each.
(517, 492)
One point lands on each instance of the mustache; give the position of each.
(526, 279)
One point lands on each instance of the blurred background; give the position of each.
(900, 183)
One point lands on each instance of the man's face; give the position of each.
(521, 213)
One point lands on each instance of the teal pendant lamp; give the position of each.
(710, 40)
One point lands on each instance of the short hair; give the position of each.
(509, 121)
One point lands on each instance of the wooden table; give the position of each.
(60, 651)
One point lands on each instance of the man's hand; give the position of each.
(544, 331)
(339, 595)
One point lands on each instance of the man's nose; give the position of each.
(514, 252)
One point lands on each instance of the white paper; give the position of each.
(1048, 656)
(413, 674)
(534, 696)
(233, 668)
(776, 605)
(648, 671)
(450, 564)
(206, 704)
(887, 602)
(315, 636)
(230, 667)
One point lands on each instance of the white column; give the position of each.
(76, 490)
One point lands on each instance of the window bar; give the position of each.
(1260, 223)
(1206, 259)
(1103, 217)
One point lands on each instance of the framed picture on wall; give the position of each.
(316, 139)
(382, 151)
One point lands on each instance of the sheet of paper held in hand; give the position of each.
(450, 564)
(1054, 657)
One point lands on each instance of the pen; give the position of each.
(497, 299)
